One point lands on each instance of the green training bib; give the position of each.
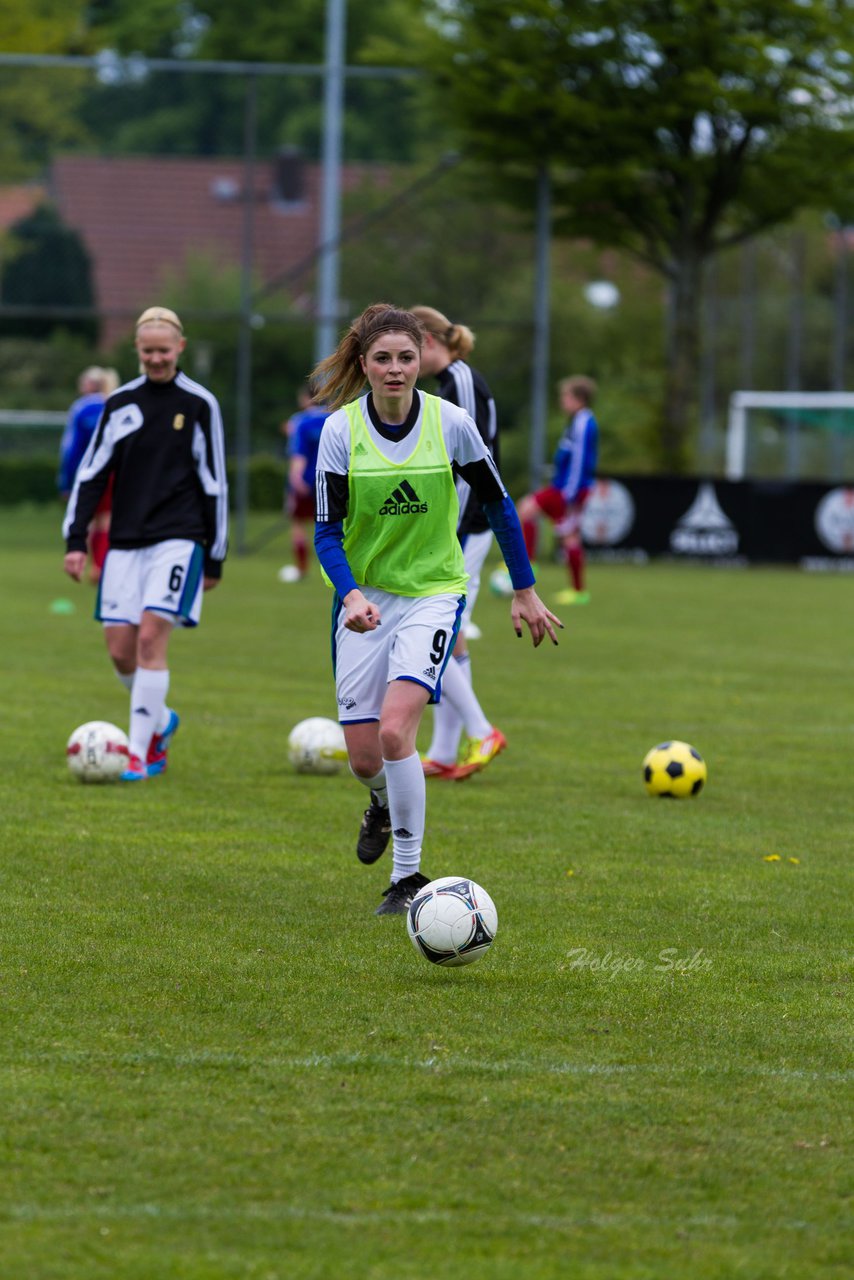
(400, 533)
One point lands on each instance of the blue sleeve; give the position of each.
(75, 457)
(329, 546)
(588, 466)
(504, 521)
(75, 442)
(298, 446)
(67, 467)
(562, 459)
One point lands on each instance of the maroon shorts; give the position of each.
(551, 502)
(300, 506)
(565, 515)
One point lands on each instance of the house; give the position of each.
(140, 216)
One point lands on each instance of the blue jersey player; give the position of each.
(573, 477)
(94, 385)
(303, 431)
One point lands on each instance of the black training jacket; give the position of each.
(163, 443)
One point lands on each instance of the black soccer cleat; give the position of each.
(374, 833)
(397, 897)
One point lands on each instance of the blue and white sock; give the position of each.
(147, 703)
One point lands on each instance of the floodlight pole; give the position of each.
(708, 367)
(748, 314)
(244, 337)
(840, 336)
(540, 353)
(795, 353)
(330, 189)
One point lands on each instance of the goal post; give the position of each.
(810, 409)
(28, 431)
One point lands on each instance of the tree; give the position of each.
(671, 128)
(168, 113)
(37, 108)
(48, 267)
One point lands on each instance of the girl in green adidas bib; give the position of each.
(386, 540)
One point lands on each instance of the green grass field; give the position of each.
(216, 1062)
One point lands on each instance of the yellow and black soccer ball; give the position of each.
(673, 770)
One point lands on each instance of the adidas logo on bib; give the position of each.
(403, 501)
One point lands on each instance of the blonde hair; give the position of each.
(582, 387)
(458, 338)
(339, 378)
(104, 381)
(93, 374)
(160, 315)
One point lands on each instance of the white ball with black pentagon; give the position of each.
(97, 751)
(317, 746)
(674, 770)
(452, 921)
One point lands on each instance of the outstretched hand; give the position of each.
(528, 607)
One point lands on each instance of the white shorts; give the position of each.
(413, 642)
(166, 578)
(475, 550)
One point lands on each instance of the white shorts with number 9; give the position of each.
(413, 642)
(166, 578)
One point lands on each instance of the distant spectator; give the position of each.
(94, 385)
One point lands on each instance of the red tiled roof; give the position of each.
(140, 216)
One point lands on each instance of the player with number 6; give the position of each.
(160, 436)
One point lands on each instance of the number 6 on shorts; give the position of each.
(166, 578)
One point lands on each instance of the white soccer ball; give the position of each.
(452, 921)
(317, 745)
(500, 583)
(97, 752)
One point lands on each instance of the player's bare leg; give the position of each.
(366, 765)
(401, 714)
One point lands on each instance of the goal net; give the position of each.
(795, 435)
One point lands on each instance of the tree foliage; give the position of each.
(39, 112)
(194, 114)
(671, 128)
(661, 119)
(48, 266)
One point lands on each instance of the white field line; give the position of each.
(450, 1063)
(185, 1212)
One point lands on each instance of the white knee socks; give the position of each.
(406, 805)
(459, 709)
(148, 711)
